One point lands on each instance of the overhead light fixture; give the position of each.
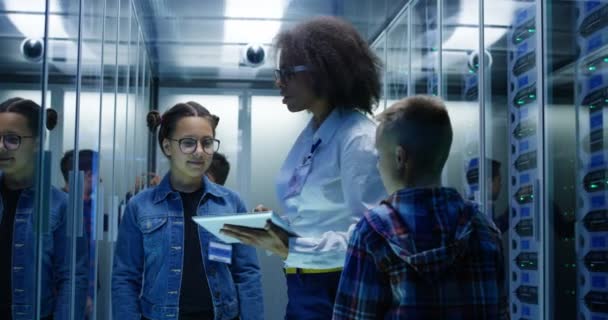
(251, 22)
(28, 18)
(261, 9)
(500, 17)
(467, 38)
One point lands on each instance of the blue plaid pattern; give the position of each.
(423, 254)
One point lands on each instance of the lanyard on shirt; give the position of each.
(312, 151)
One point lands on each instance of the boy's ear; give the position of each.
(401, 157)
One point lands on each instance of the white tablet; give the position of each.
(213, 224)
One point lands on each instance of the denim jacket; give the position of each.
(55, 277)
(146, 277)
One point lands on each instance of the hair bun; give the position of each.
(215, 120)
(153, 119)
(51, 119)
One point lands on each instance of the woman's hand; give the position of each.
(271, 238)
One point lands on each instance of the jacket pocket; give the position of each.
(148, 225)
(153, 237)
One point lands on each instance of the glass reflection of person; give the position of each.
(85, 163)
(501, 219)
(329, 177)
(493, 187)
(562, 223)
(86, 159)
(164, 263)
(19, 133)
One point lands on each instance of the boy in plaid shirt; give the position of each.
(424, 253)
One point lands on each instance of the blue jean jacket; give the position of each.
(55, 276)
(146, 276)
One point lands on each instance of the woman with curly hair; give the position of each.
(329, 177)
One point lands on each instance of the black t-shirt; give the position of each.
(9, 203)
(195, 296)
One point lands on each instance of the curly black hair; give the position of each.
(344, 70)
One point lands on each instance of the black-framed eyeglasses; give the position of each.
(190, 145)
(285, 74)
(12, 141)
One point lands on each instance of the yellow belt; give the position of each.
(299, 270)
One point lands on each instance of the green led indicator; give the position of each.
(592, 68)
(593, 186)
(531, 30)
(520, 102)
(532, 96)
(606, 59)
(591, 107)
(518, 39)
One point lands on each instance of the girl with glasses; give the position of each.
(165, 266)
(329, 177)
(19, 143)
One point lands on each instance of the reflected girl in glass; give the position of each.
(165, 266)
(19, 134)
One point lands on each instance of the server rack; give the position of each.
(524, 185)
(592, 182)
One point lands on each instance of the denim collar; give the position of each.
(163, 190)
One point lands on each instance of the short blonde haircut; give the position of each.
(422, 125)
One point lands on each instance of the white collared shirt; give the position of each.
(343, 182)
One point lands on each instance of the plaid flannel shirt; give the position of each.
(423, 254)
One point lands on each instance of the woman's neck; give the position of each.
(185, 185)
(320, 111)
